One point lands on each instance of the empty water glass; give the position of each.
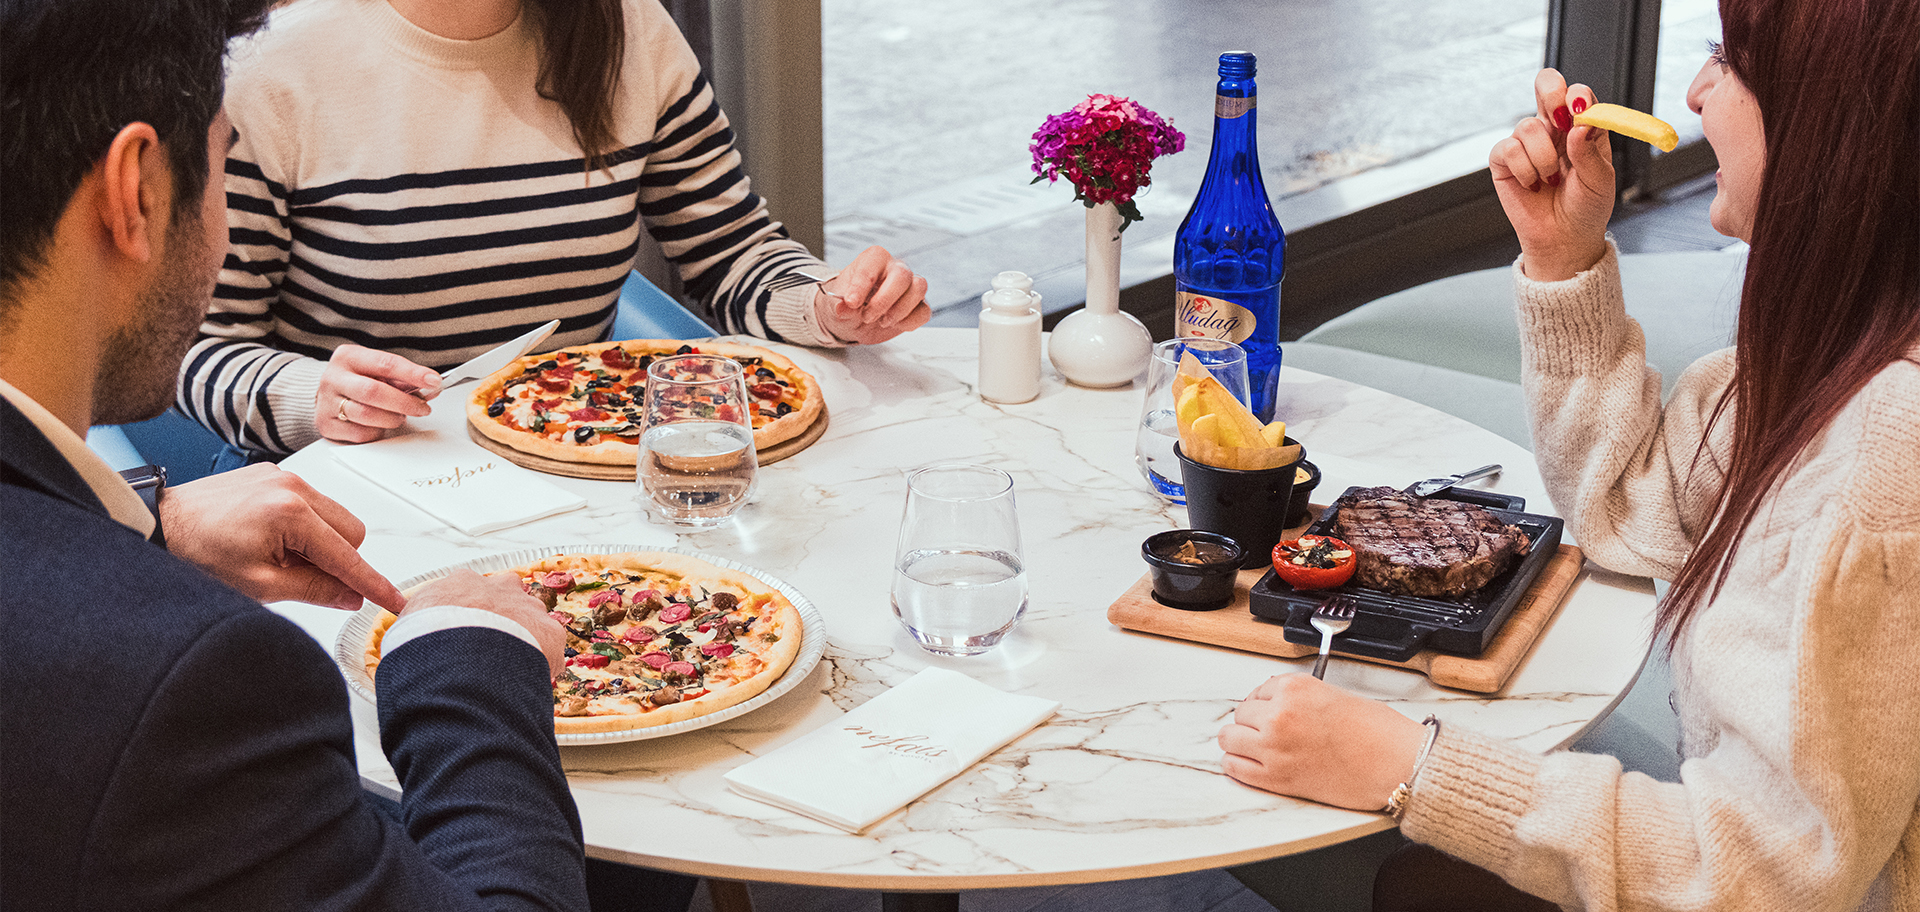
(959, 582)
(1159, 429)
(696, 461)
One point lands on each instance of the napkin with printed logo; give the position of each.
(892, 749)
(457, 482)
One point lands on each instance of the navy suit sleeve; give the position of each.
(240, 788)
(466, 718)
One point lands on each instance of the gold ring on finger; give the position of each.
(342, 412)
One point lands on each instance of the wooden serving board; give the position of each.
(600, 472)
(1236, 627)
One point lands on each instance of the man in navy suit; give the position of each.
(168, 742)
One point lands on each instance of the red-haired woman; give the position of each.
(417, 181)
(1779, 488)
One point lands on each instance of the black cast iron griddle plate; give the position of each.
(1394, 627)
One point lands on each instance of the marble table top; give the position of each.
(1125, 780)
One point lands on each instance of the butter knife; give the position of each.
(1434, 486)
(497, 358)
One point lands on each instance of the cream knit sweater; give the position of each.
(1798, 688)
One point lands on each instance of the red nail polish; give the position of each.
(1553, 180)
(1562, 119)
(1579, 104)
(1535, 188)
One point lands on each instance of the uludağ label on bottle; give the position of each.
(1230, 108)
(1211, 317)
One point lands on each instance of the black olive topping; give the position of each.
(498, 408)
(548, 364)
(582, 434)
(763, 373)
(684, 350)
(783, 409)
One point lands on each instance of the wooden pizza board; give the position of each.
(1235, 627)
(600, 472)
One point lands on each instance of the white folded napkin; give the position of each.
(892, 749)
(457, 482)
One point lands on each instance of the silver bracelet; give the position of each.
(1403, 793)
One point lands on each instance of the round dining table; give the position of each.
(1125, 780)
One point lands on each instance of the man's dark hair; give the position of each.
(78, 71)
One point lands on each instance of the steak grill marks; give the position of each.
(1425, 546)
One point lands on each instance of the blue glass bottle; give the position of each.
(1231, 252)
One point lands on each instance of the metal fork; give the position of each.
(1333, 616)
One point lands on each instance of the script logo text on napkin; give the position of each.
(905, 745)
(450, 479)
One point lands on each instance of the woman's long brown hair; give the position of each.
(1832, 293)
(582, 45)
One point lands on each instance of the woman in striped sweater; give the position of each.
(415, 182)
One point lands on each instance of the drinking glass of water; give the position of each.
(1159, 430)
(696, 453)
(959, 582)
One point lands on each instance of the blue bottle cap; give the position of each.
(1237, 65)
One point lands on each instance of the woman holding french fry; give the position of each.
(1778, 488)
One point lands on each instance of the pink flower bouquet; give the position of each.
(1105, 146)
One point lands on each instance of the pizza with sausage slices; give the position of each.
(653, 637)
(583, 404)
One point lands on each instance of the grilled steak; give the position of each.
(1408, 545)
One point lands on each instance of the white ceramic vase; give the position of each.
(1097, 345)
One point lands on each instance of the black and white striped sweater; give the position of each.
(414, 194)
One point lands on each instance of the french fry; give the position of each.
(1629, 122)
(1218, 429)
(1275, 434)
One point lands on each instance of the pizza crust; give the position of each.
(620, 452)
(783, 617)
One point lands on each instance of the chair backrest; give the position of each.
(646, 312)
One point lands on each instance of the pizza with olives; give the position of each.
(583, 404)
(653, 637)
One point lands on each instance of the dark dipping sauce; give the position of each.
(1196, 552)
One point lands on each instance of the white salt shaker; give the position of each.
(1010, 340)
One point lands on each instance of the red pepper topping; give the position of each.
(558, 581)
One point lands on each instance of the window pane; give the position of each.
(1685, 28)
(929, 105)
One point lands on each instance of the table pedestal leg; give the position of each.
(919, 902)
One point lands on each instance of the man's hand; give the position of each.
(874, 299)
(270, 535)
(503, 596)
(1300, 736)
(365, 393)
